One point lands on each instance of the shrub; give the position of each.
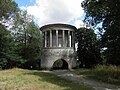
(109, 73)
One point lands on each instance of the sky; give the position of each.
(54, 11)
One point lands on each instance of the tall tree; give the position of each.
(8, 9)
(28, 40)
(4, 46)
(88, 48)
(32, 51)
(107, 13)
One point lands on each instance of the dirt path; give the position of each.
(97, 85)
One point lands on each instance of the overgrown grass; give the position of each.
(19, 79)
(109, 74)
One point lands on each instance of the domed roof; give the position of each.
(58, 25)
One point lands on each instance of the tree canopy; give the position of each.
(8, 8)
(107, 13)
(20, 45)
(88, 48)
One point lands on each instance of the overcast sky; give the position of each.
(54, 11)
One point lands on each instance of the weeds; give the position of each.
(109, 74)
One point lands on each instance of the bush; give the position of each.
(3, 63)
(109, 73)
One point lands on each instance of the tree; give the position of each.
(107, 13)
(32, 51)
(20, 45)
(8, 58)
(88, 48)
(4, 41)
(8, 9)
(27, 40)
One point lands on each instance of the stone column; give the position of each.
(45, 33)
(56, 38)
(72, 40)
(63, 33)
(50, 38)
(68, 38)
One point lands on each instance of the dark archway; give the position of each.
(60, 64)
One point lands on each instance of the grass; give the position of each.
(19, 79)
(109, 74)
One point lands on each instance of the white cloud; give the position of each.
(56, 11)
(78, 23)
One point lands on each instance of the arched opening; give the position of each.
(60, 64)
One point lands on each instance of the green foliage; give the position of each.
(21, 47)
(111, 40)
(88, 48)
(109, 74)
(8, 58)
(27, 41)
(8, 8)
(4, 45)
(108, 71)
(32, 50)
(107, 13)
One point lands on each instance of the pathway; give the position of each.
(97, 85)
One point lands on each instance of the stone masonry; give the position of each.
(58, 43)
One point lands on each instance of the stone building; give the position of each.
(58, 45)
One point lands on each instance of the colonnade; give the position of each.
(63, 38)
